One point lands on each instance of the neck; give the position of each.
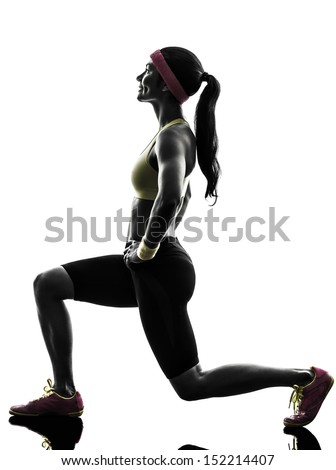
(167, 112)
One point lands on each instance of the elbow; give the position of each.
(169, 202)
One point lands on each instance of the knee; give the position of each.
(188, 394)
(43, 285)
(189, 386)
(51, 285)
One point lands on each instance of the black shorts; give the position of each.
(160, 287)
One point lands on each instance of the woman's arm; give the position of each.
(171, 157)
(184, 206)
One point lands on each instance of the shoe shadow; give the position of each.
(302, 439)
(58, 432)
(191, 447)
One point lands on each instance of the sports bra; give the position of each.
(144, 177)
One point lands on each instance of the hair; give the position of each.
(190, 73)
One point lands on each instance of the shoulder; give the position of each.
(179, 133)
(178, 139)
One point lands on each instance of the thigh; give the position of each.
(104, 280)
(163, 288)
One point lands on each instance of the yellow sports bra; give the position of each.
(144, 177)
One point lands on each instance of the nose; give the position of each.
(139, 77)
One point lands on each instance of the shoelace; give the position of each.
(296, 397)
(295, 444)
(46, 444)
(48, 390)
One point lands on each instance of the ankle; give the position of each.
(306, 377)
(65, 393)
(65, 390)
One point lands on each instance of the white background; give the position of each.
(71, 127)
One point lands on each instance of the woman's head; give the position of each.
(186, 67)
(183, 74)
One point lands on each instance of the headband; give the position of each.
(168, 76)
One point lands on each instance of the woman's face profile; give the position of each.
(150, 84)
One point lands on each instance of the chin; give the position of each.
(140, 95)
(141, 98)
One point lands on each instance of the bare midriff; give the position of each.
(140, 214)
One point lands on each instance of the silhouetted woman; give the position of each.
(155, 273)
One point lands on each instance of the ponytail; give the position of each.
(206, 135)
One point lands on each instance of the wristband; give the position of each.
(144, 252)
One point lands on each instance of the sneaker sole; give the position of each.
(293, 425)
(74, 414)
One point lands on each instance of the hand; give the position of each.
(130, 255)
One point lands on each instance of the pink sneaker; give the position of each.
(307, 400)
(51, 404)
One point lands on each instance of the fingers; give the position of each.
(128, 249)
(126, 255)
(132, 247)
(128, 252)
